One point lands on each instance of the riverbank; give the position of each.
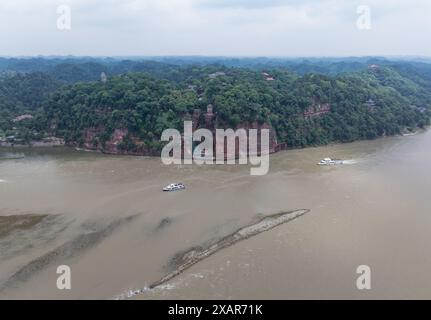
(59, 142)
(47, 142)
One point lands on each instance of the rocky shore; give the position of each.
(46, 142)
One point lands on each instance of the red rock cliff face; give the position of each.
(273, 144)
(208, 121)
(90, 138)
(113, 145)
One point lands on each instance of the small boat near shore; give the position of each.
(329, 162)
(174, 187)
(409, 134)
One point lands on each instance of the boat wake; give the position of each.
(130, 293)
(351, 161)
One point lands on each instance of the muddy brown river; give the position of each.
(108, 220)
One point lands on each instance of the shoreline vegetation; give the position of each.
(8, 147)
(55, 102)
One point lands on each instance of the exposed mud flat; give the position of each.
(27, 232)
(8, 224)
(78, 245)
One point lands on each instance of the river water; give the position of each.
(108, 220)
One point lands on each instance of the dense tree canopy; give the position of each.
(147, 97)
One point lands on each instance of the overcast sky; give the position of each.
(215, 27)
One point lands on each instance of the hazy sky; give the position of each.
(215, 27)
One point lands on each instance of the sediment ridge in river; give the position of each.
(187, 259)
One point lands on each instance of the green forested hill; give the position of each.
(23, 94)
(363, 102)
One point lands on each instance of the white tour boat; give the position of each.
(174, 187)
(329, 161)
